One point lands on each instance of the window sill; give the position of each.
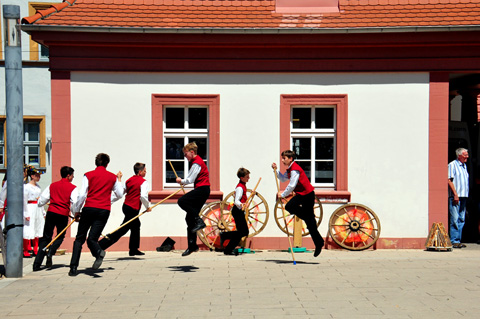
(333, 196)
(156, 196)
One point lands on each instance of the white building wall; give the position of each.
(387, 136)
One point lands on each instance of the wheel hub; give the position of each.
(354, 226)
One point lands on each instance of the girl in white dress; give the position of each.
(34, 216)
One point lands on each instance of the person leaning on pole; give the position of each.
(458, 187)
(96, 194)
(62, 196)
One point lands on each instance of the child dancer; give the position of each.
(238, 213)
(302, 203)
(193, 201)
(34, 216)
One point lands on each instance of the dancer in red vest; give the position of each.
(62, 196)
(302, 203)
(136, 188)
(238, 214)
(96, 194)
(193, 201)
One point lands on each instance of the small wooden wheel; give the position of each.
(215, 215)
(280, 218)
(257, 212)
(354, 226)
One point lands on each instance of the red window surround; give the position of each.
(158, 102)
(340, 193)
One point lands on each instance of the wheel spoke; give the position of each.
(348, 234)
(367, 234)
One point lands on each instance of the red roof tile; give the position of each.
(258, 14)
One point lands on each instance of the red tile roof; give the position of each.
(256, 14)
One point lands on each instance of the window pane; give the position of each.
(32, 132)
(44, 52)
(324, 148)
(307, 167)
(1, 133)
(301, 117)
(324, 117)
(33, 156)
(170, 174)
(1, 156)
(197, 117)
(174, 117)
(302, 147)
(324, 172)
(202, 147)
(174, 148)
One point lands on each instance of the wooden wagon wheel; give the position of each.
(215, 215)
(257, 212)
(354, 226)
(317, 209)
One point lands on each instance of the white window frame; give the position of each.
(314, 133)
(187, 134)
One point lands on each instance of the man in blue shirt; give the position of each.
(457, 198)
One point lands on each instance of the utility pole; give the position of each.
(14, 110)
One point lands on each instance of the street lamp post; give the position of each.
(14, 110)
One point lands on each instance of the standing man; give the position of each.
(136, 188)
(457, 197)
(96, 193)
(62, 196)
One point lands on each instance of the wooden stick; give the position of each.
(283, 211)
(59, 234)
(181, 186)
(106, 236)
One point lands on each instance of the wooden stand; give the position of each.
(438, 239)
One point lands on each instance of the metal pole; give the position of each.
(14, 110)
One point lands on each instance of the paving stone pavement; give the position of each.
(265, 284)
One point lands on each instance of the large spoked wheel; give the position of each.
(218, 218)
(281, 218)
(257, 212)
(354, 227)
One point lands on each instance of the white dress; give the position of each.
(33, 227)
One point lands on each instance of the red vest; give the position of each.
(100, 185)
(132, 198)
(244, 195)
(303, 186)
(202, 177)
(60, 193)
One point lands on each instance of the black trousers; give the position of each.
(52, 221)
(242, 229)
(302, 207)
(192, 203)
(92, 221)
(133, 227)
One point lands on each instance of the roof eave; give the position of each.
(31, 28)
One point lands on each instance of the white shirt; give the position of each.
(294, 176)
(192, 174)
(458, 173)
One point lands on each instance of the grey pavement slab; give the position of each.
(266, 284)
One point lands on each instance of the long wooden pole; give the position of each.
(283, 211)
(59, 234)
(106, 236)
(181, 186)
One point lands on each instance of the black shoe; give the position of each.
(135, 253)
(199, 225)
(36, 267)
(189, 251)
(318, 248)
(231, 253)
(73, 271)
(99, 260)
(49, 262)
(457, 245)
(463, 245)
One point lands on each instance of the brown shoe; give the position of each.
(463, 245)
(457, 245)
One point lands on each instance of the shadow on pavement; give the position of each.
(184, 268)
(291, 262)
